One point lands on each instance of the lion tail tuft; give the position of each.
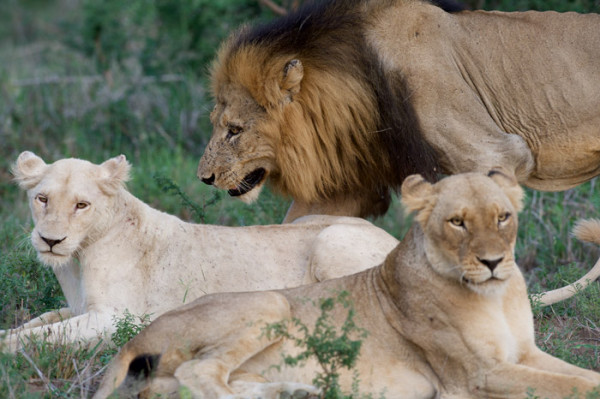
(587, 230)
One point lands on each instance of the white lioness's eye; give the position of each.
(42, 198)
(456, 221)
(81, 205)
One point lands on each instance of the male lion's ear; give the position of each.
(508, 182)
(28, 170)
(418, 196)
(293, 72)
(116, 173)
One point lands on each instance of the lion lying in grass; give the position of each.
(447, 313)
(112, 252)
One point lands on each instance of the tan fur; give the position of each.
(117, 253)
(585, 230)
(442, 321)
(482, 89)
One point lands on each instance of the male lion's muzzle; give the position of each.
(251, 180)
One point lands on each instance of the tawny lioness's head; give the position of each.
(70, 201)
(469, 223)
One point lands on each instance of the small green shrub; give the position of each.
(332, 347)
(127, 326)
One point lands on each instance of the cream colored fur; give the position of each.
(113, 252)
(447, 313)
(518, 90)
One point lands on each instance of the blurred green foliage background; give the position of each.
(96, 78)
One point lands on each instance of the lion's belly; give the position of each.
(567, 160)
(383, 376)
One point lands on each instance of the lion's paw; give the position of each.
(273, 390)
(299, 394)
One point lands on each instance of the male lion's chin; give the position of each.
(53, 259)
(252, 195)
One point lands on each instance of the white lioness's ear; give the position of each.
(418, 196)
(28, 170)
(116, 173)
(510, 186)
(293, 72)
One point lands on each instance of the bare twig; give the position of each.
(5, 377)
(276, 8)
(44, 379)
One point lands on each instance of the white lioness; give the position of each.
(448, 316)
(111, 252)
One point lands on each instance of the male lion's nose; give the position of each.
(208, 180)
(52, 242)
(491, 264)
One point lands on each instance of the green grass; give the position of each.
(140, 90)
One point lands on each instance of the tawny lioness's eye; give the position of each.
(456, 221)
(503, 217)
(81, 205)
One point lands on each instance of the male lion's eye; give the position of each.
(233, 130)
(81, 205)
(456, 221)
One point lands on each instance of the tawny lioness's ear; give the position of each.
(293, 72)
(508, 182)
(418, 196)
(116, 173)
(28, 170)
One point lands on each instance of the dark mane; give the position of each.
(328, 36)
(321, 32)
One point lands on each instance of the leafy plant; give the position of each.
(199, 211)
(128, 327)
(332, 347)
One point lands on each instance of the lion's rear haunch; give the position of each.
(347, 128)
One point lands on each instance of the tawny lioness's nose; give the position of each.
(490, 263)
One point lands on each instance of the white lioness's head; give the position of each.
(70, 201)
(470, 226)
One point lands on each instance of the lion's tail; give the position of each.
(585, 230)
(128, 373)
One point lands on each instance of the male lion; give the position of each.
(337, 103)
(447, 314)
(112, 252)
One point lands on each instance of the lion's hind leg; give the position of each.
(232, 332)
(199, 344)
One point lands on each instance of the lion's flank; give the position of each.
(349, 128)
